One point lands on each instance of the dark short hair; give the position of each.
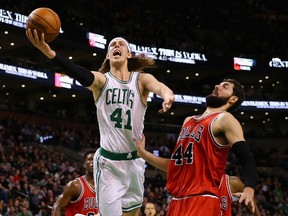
(90, 151)
(238, 91)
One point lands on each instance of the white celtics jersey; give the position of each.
(120, 113)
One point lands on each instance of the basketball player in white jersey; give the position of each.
(120, 90)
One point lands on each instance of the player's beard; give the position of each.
(215, 102)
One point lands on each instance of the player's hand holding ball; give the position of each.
(46, 21)
(42, 27)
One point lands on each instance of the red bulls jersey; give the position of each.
(198, 161)
(225, 196)
(86, 203)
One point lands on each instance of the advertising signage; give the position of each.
(244, 64)
(64, 81)
(30, 74)
(278, 63)
(13, 18)
(157, 53)
(196, 100)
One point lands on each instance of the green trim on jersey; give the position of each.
(138, 90)
(131, 208)
(121, 81)
(118, 156)
(101, 92)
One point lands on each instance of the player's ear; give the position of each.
(234, 99)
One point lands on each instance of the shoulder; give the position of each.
(98, 74)
(226, 119)
(74, 185)
(226, 116)
(148, 81)
(145, 76)
(186, 120)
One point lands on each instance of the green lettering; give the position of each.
(131, 99)
(107, 96)
(114, 94)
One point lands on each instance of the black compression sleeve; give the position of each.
(81, 74)
(241, 150)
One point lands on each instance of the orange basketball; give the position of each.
(46, 21)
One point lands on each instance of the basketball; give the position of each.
(46, 21)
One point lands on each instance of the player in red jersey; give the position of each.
(199, 158)
(79, 197)
(229, 189)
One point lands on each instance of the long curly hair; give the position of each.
(135, 63)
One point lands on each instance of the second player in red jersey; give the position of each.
(79, 197)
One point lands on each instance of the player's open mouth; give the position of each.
(117, 53)
(214, 92)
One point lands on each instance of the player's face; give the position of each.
(89, 162)
(220, 95)
(118, 50)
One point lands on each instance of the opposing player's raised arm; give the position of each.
(234, 135)
(71, 192)
(151, 84)
(158, 162)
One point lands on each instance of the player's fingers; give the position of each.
(241, 198)
(29, 34)
(166, 106)
(238, 194)
(31, 37)
(42, 37)
(35, 34)
(253, 207)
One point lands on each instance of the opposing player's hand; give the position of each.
(247, 196)
(40, 43)
(140, 145)
(167, 104)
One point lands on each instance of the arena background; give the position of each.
(195, 44)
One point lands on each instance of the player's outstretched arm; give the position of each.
(93, 81)
(158, 162)
(151, 84)
(71, 192)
